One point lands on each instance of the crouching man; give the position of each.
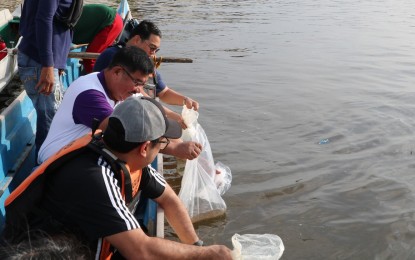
(90, 189)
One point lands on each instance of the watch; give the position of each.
(198, 243)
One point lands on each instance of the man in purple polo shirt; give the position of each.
(42, 52)
(95, 95)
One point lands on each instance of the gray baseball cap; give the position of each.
(139, 119)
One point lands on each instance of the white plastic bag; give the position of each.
(190, 117)
(257, 247)
(198, 191)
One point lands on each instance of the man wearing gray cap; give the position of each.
(84, 196)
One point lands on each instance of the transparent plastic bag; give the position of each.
(257, 247)
(198, 189)
(190, 117)
(223, 177)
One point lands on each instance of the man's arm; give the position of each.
(134, 244)
(89, 105)
(184, 150)
(177, 216)
(172, 97)
(169, 113)
(153, 186)
(46, 81)
(175, 116)
(44, 31)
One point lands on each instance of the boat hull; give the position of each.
(8, 33)
(17, 132)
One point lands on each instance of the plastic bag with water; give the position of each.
(223, 177)
(257, 247)
(198, 191)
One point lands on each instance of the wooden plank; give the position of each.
(93, 55)
(160, 211)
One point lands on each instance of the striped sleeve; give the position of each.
(152, 183)
(115, 197)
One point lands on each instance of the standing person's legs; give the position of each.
(102, 40)
(46, 106)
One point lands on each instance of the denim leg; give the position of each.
(45, 106)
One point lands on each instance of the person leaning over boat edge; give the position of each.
(42, 52)
(95, 95)
(147, 36)
(84, 196)
(98, 26)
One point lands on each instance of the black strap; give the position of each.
(95, 125)
(155, 80)
(127, 182)
(75, 12)
(116, 164)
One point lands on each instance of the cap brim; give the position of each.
(174, 130)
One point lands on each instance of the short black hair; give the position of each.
(133, 59)
(144, 29)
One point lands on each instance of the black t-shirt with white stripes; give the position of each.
(84, 195)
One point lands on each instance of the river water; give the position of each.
(311, 105)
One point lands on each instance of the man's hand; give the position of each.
(182, 123)
(179, 119)
(134, 244)
(190, 103)
(183, 150)
(175, 116)
(46, 81)
(189, 150)
(220, 252)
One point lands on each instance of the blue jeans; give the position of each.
(46, 106)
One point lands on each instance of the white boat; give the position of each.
(8, 32)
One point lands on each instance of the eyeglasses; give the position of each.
(136, 82)
(152, 47)
(164, 141)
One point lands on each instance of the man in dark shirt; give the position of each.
(42, 52)
(85, 196)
